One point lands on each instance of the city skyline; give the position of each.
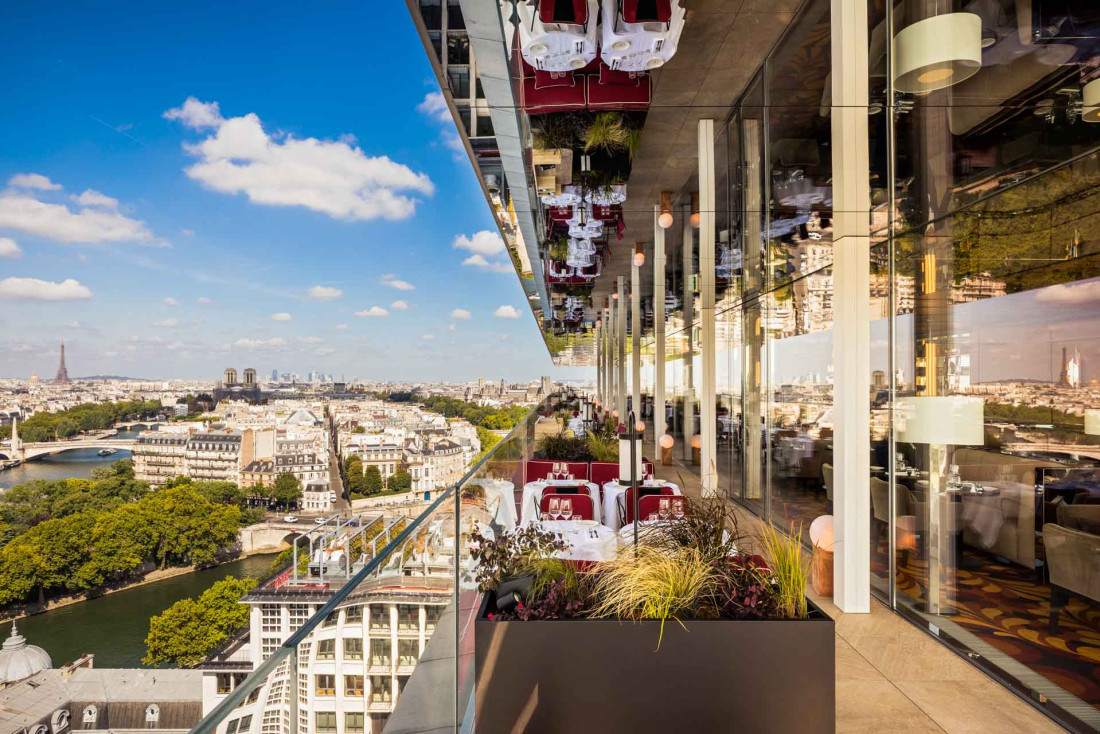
(167, 233)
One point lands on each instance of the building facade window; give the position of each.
(326, 721)
(326, 649)
(325, 684)
(353, 685)
(354, 722)
(353, 648)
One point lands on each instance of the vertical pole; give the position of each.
(658, 336)
(613, 356)
(636, 340)
(851, 312)
(620, 348)
(607, 392)
(708, 417)
(599, 363)
(687, 248)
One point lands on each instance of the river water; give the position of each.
(112, 627)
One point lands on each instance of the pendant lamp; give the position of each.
(937, 52)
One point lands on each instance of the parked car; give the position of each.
(290, 518)
(321, 520)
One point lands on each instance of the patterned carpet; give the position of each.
(1002, 604)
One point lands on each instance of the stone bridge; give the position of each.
(271, 535)
(27, 451)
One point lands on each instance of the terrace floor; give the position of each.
(891, 676)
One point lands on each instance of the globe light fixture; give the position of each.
(640, 426)
(696, 441)
(639, 254)
(937, 52)
(615, 414)
(664, 220)
(1090, 101)
(695, 210)
(667, 441)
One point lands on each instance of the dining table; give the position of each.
(612, 491)
(500, 499)
(585, 540)
(532, 497)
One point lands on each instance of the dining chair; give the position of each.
(580, 504)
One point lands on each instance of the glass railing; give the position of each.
(347, 571)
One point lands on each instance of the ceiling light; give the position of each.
(695, 210)
(639, 254)
(937, 52)
(664, 221)
(1090, 101)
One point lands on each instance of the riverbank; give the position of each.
(158, 574)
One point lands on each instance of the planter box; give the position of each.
(605, 676)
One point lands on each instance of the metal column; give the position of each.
(658, 335)
(687, 248)
(708, 415)
(620, 349)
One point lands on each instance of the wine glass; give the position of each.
(555, 508)
(566, 509)
(663, 508)
(678, 509)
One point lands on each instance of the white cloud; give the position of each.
(1070, 295)
(88, 224)
(8, 248)
(274, 343)
(174, 346)
(461, 314)
(33, 289)
(33, 181)
(506, 312)
(187, 232)
(393, 282)
(171, 302)
(372, 312)
(72, 324)
(484, 242)
(166, 322)
(452, 141)
(428, 337)
(435, 105)
(310, 339)
(324, 351)
(479, 261)
(91, 197)
(340, 327)
(283, 316)
(196, 115)
(333, 177)
(202, 300)
(324, 293)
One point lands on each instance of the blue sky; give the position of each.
(183, 189)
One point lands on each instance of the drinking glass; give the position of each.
(662, 509)
(555, 508)
(566, 509)
(678, 509)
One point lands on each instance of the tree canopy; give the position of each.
(189, 630)
(287, 490)
(372, 480)
(83, 417)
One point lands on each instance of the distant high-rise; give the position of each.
(274, 375)
(62, 371)
(1071, 369)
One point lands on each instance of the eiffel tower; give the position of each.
(62, 373)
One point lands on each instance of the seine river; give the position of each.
(112, 627)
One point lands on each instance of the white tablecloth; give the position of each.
(532, 496)
(587, 540)
(626, 532)
(612, 491)
(500, 496)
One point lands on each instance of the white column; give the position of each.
(612, 354)
(620, 348)
(607, 392)
(658, 336)
(599, 363)
(688, 301)
(708, 416)
(851, 331)
(636, 339)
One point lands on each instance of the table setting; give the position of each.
(532, 496)
(587, 540)
(612, 491)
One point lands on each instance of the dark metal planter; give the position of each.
(579, 675)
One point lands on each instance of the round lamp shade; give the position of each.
(937, 52)
(821, 532)
(640, 426)
(694, 219)
(664, 220)
(1090, 101)
(639, 259)
(667, 440)
(696, 441)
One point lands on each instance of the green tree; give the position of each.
(287, 490)
(401, 481)
(372, 480)
(186, 632)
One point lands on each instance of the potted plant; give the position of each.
(686, 632)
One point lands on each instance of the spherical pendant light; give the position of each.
(937, 52)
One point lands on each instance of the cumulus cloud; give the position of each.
(340, 327)
(33, 289)
(428, 337)
(171, 302)
(461, 314)
(399, 306)
(506, 312)
(394, 282)
(333, 177)
(91, 197)
(88, 224)
(324, 293)
(202, 300)
(479, 261)
(166, 322)
(1070, 295)
(484, 242)
(274, 343)
(8, 248)
(282, 316)
(34, 181)
(372, 312)
(435, 106)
